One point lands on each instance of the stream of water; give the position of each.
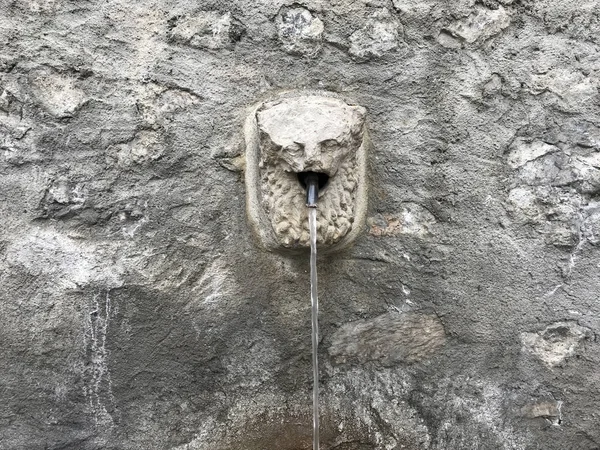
(314, 299)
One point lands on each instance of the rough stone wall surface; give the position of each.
(137, 312)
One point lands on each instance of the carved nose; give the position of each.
(312, 159)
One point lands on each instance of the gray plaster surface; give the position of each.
(136, 310)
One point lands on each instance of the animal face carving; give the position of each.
(289, 136)
(310, 134)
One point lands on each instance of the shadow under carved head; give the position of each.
(307, 133)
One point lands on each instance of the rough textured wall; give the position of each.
(136, 311)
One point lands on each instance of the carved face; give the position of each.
(307, 134)
(310, 134)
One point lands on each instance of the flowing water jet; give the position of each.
(304, 147)
(312, 194)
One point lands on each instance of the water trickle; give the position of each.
(314, 298)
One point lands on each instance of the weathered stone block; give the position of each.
(290, 136)
(300, 32)
(388, 339)
(555, 343)
(481, 24)
(381, 34)
(207, 29)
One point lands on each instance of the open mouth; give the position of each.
(323, 179)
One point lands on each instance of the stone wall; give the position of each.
(138, 312)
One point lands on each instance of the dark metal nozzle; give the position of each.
(312, 189)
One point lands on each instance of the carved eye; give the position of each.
(330, 144)
(294, 149)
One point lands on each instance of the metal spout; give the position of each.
(312, 189)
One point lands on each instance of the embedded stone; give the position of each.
(555, 343)
(380, 35)
(389, 339)
(144, 148)
(62, 199)
(561, 234)
(207, 29)
(573, 91)
(480, 25)
(591, 225)
(9, 103)
(300, 32)
(446, 39)
(523, 151)
(525, 201)
(56, 92)
(549, 410)
(413, 219)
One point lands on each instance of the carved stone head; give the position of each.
(308, 133)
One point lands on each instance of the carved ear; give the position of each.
(262, 126)
(266, 144)
(259, 118)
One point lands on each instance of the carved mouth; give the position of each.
(323, 179)
(284, 198)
